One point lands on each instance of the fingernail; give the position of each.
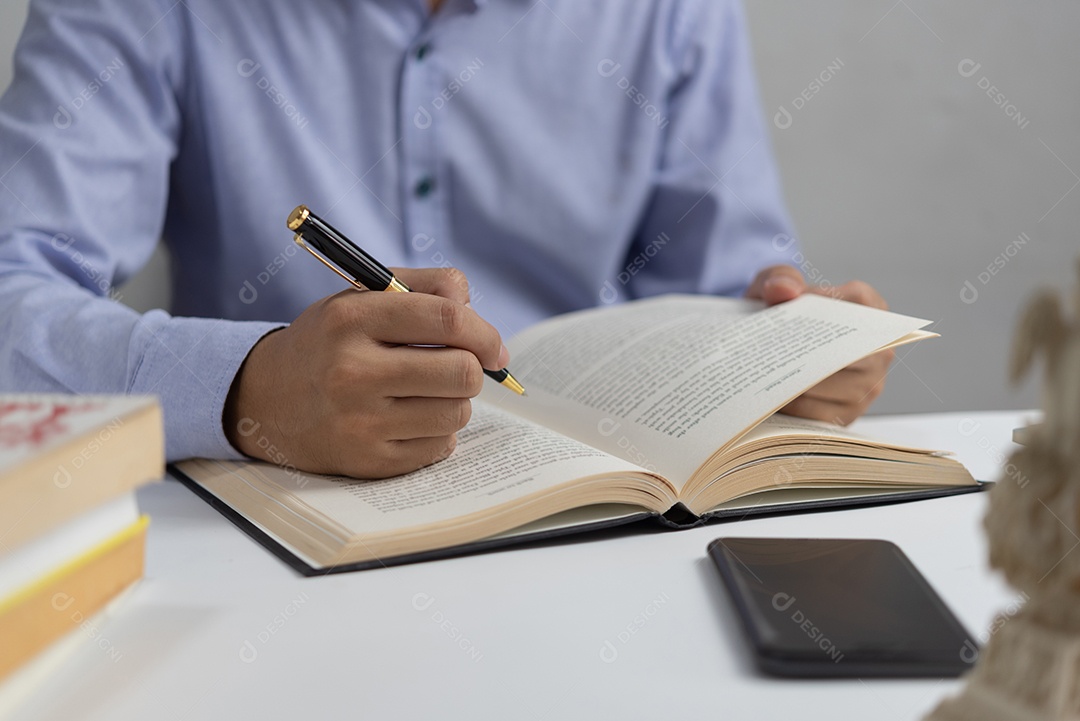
(504, 358)
(782, 282)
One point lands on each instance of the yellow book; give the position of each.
(61, 600)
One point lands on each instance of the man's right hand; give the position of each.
(343, 391)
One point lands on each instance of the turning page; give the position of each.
(665, 383)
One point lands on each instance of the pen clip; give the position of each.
(299, 239)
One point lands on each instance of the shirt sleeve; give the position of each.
(716, 216)
(88, 131)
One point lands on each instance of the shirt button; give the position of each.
(424, 188)
(422, 51)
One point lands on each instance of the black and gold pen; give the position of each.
(359, 269)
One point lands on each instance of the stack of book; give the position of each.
(71, 537)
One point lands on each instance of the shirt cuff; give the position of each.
(190, 363)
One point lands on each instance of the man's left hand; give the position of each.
(845, 395)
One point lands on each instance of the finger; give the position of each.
(417, 319)
(860, 383)
(448, 283)
(410, 418)
(871, 364)
(401, 371)
(855, 292)
(875, 366)
(395, 458)
(848, 386)
(822, 410)
(842, 387)
(407, 372)
(777, 284)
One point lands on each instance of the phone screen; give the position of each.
(838, 607)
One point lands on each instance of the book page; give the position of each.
(501, 462)
(498, 458)
(776, 499)
(781, 425)
(666, 382)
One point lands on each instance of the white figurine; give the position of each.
(1030, 667)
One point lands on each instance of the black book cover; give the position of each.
(678, 517)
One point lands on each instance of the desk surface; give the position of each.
(630, 625)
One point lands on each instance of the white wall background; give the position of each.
(12, 17)
(903, 172)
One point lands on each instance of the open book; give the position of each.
(659, 408)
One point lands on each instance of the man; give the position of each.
(562, 154)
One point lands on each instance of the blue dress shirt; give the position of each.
(562, 153)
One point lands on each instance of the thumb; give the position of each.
(777, 284)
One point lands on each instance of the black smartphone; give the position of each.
(840, 607)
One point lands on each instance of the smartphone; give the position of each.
(815, 607)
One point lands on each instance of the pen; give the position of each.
(359, 269)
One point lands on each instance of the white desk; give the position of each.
(220, 629)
